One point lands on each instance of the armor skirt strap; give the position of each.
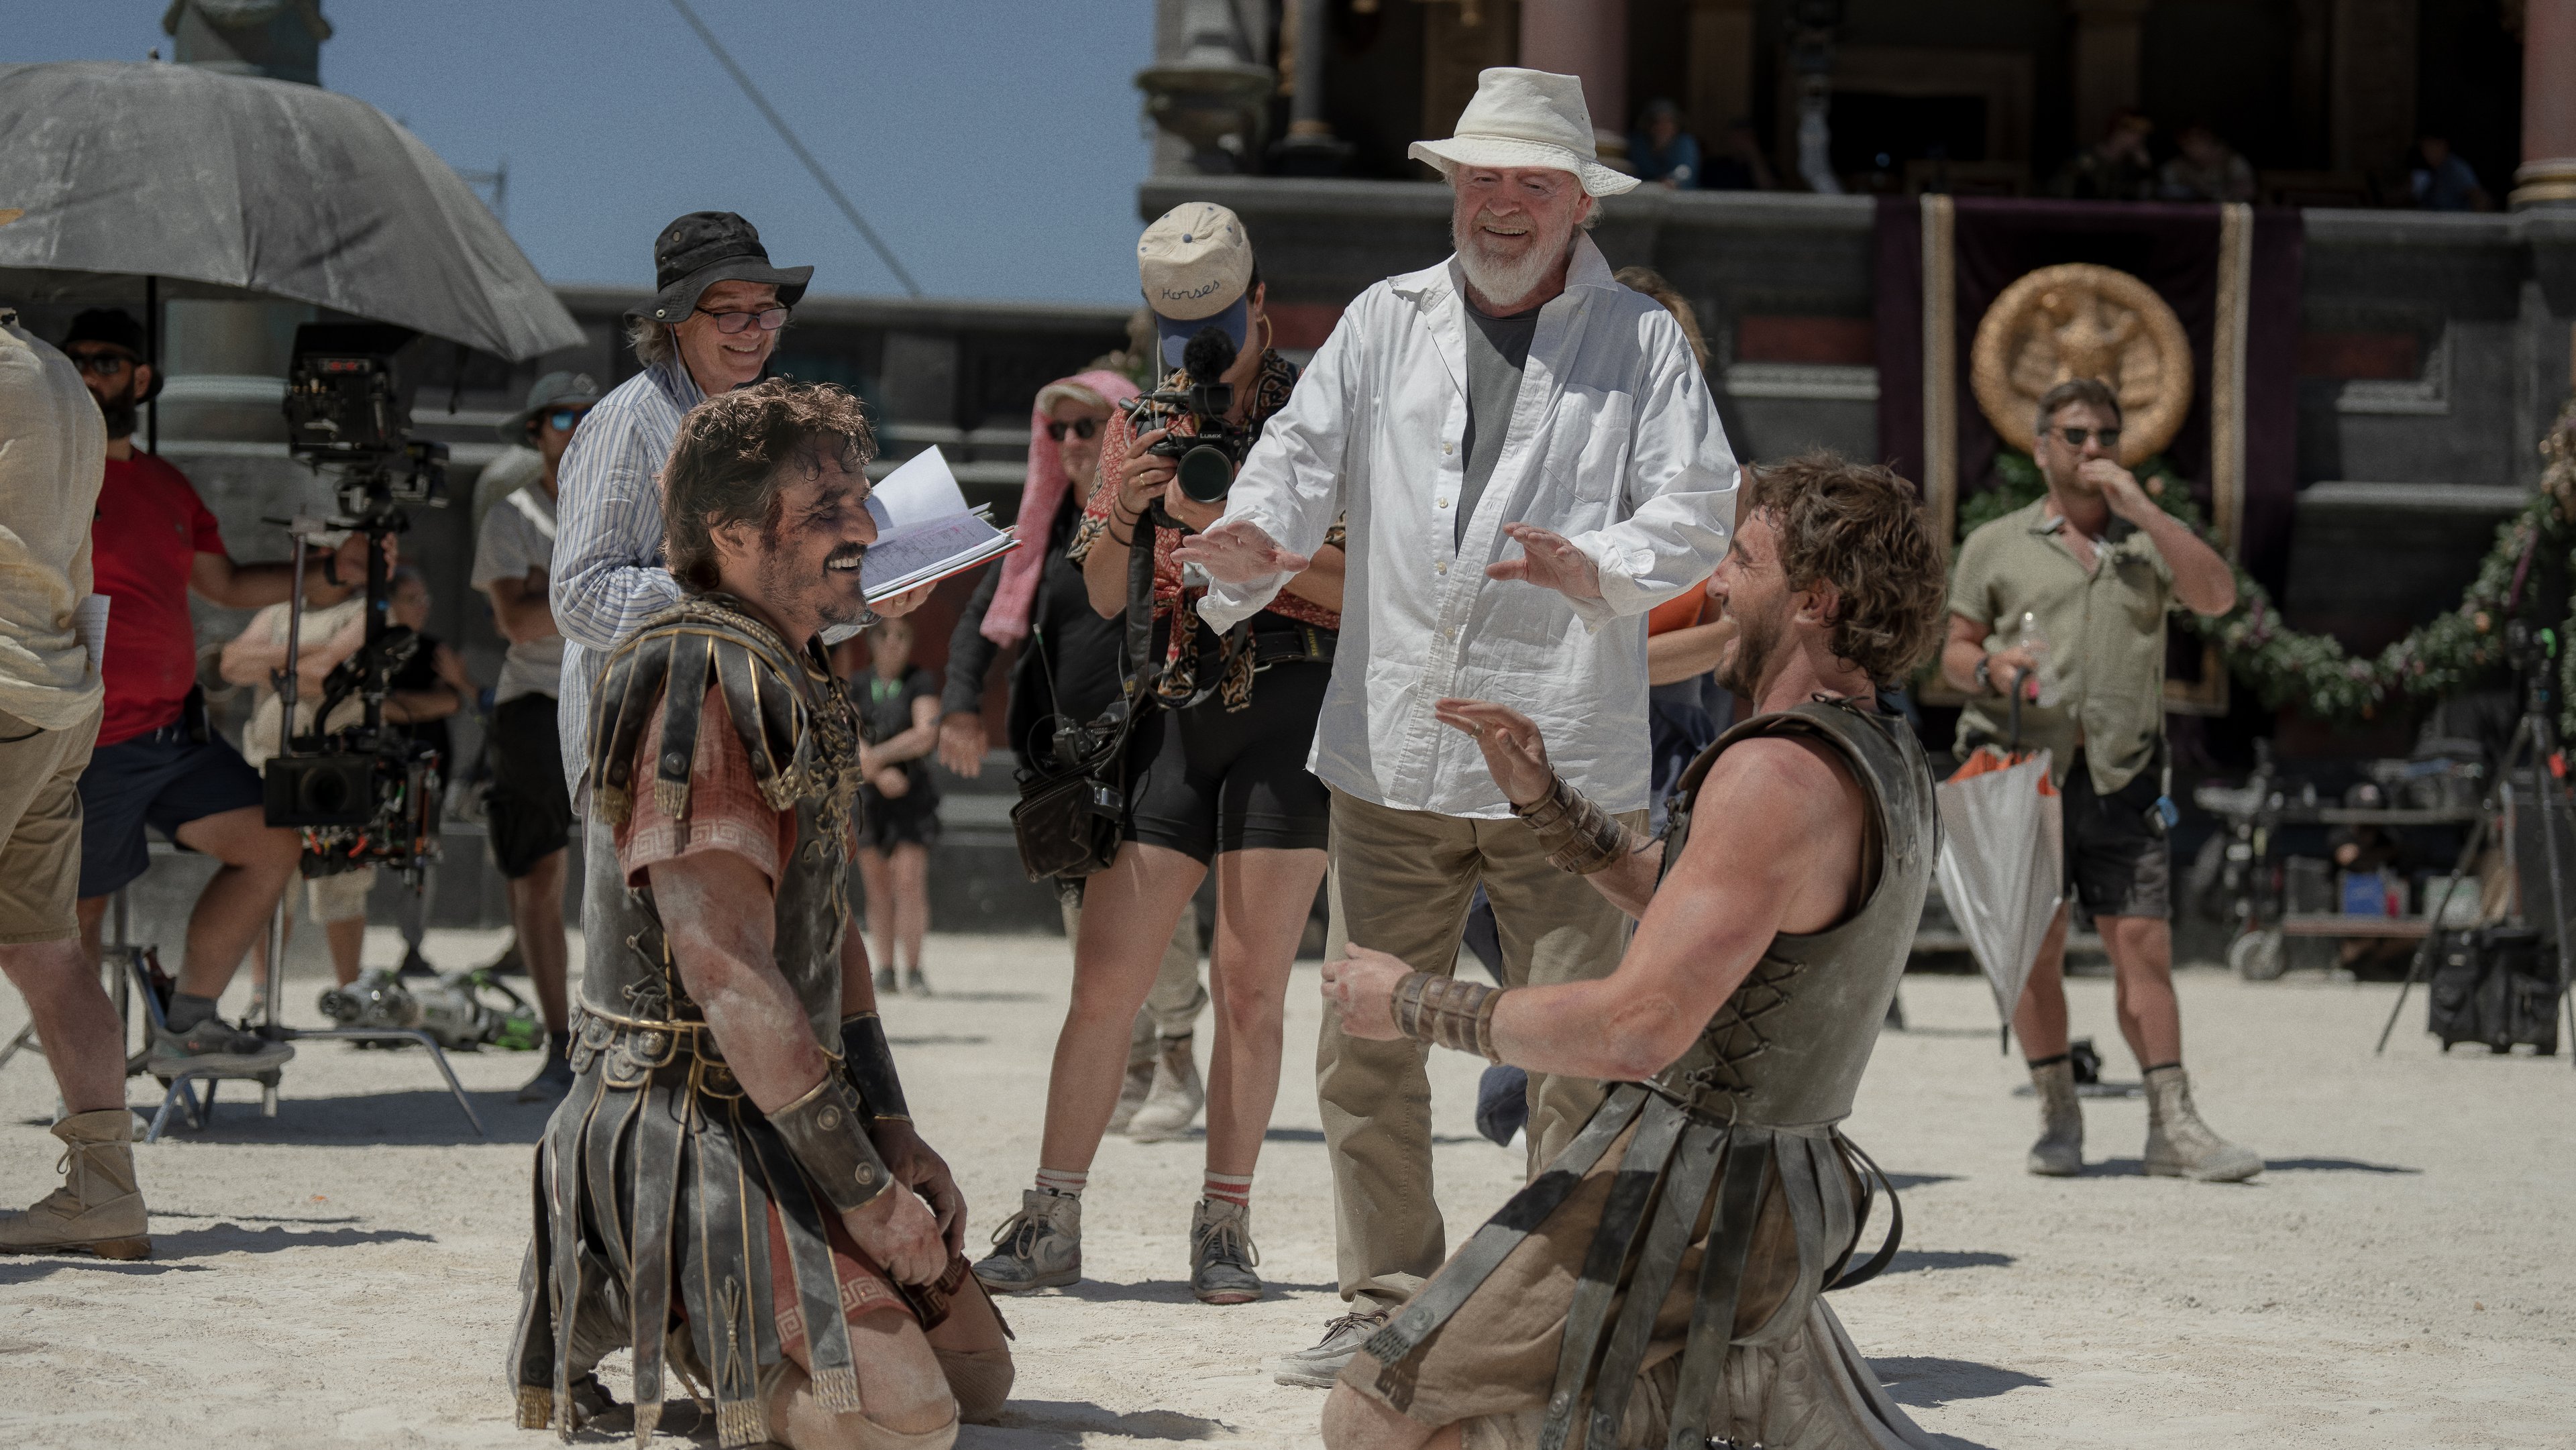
(1605, 1264)
(1659, 1263)
(610, 1125)
(1886, 1255)
(534, 1344)
(1721, 1282)
(661, 1154)
(561, 1165)
(715, 1285)
(801, 1217)
(1485, 1251)
(1794, 1163)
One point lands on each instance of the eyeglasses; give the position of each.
(2076, 437)
(770, 319)
(101, 364)
(1080, 428)
(563, 420)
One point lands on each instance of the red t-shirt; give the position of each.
(144, 541)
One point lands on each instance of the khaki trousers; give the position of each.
(40, 828)
(1401, 883)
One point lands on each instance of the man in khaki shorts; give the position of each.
(49, 711)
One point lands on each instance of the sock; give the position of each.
(1228, 1188)
(559, 1045)
(2036, 1063)
(2160, 1067)
(1063, 1181)
(187, 1010)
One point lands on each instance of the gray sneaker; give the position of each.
(1039, 1247)
(1320, 1365)
(1222, 1256)
(214, 1045)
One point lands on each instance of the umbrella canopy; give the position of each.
(2002, 864)
(237, 187)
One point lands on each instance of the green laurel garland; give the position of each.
(2312, 671)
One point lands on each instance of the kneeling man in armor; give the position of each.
(733, 1189)
(1658, 1283)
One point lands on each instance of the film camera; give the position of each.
(365, 793)
(1206, 461)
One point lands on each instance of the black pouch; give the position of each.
(1069, 817)
(192, 716)
(1067, 825)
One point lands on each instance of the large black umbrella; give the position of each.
(235, 187)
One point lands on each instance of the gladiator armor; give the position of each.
(1738, 1133)
(657, 1172)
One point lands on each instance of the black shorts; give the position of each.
(528, 810)
(162, 780)
(1207, 780)
(910, 819)
(2117, 864)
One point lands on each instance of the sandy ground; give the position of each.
(2405, 1273)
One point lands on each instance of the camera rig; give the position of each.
(1204, 460)
(365, 794)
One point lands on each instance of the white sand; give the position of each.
(2405, 1274)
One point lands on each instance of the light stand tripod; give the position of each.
(2534, 747)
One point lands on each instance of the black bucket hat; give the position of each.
(118, 330)
(703, 248)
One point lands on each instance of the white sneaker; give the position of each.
(1039, 1247)
(1318, 1366)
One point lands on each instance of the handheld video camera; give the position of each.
(366, 794)
(1207, 459)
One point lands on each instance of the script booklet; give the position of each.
(925, 531)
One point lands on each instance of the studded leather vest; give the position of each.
(802, 736)
(1788, 1047)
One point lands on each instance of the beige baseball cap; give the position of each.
(1196, 264)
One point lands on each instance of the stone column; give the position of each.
(1720, 69)
(2107, 43)
(1587, 38)
(2547, 176)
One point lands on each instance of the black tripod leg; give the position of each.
(2433, 927)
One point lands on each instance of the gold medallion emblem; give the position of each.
(2082, 320)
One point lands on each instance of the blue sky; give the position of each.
(994, 144)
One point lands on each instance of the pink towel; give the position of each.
(1007, 621)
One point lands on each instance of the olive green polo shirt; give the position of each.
(2105, 666)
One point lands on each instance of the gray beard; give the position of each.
(1499, 282)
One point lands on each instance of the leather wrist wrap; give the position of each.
(1447, 1012)
(830, 1140)
(869, 1061)
(1579, 836)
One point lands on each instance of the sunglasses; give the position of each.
(102, 364)
(563, 420)
(1079, 427)
(770, 319)
(2076, 437)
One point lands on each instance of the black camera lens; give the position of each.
(1205, 473)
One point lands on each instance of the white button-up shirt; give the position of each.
(1613, 443)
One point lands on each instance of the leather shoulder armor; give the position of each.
(799, 731)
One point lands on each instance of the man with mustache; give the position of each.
(1659, 1283)
(733, 1187)
(1511, 416)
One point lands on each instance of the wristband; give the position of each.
(1447, 1012)
(1578, 835)
(869, 1061)
(824, 1131)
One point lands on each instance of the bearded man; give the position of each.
(733, 1187)
(1658, 1284)
(1510, 417)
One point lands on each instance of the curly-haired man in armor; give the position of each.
(733, 1188)
(1658, 1283)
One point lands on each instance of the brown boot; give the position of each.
(2180, 1145)
(98, 1210)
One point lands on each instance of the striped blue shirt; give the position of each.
(608, 575)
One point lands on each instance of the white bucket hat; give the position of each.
(1526, 118)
